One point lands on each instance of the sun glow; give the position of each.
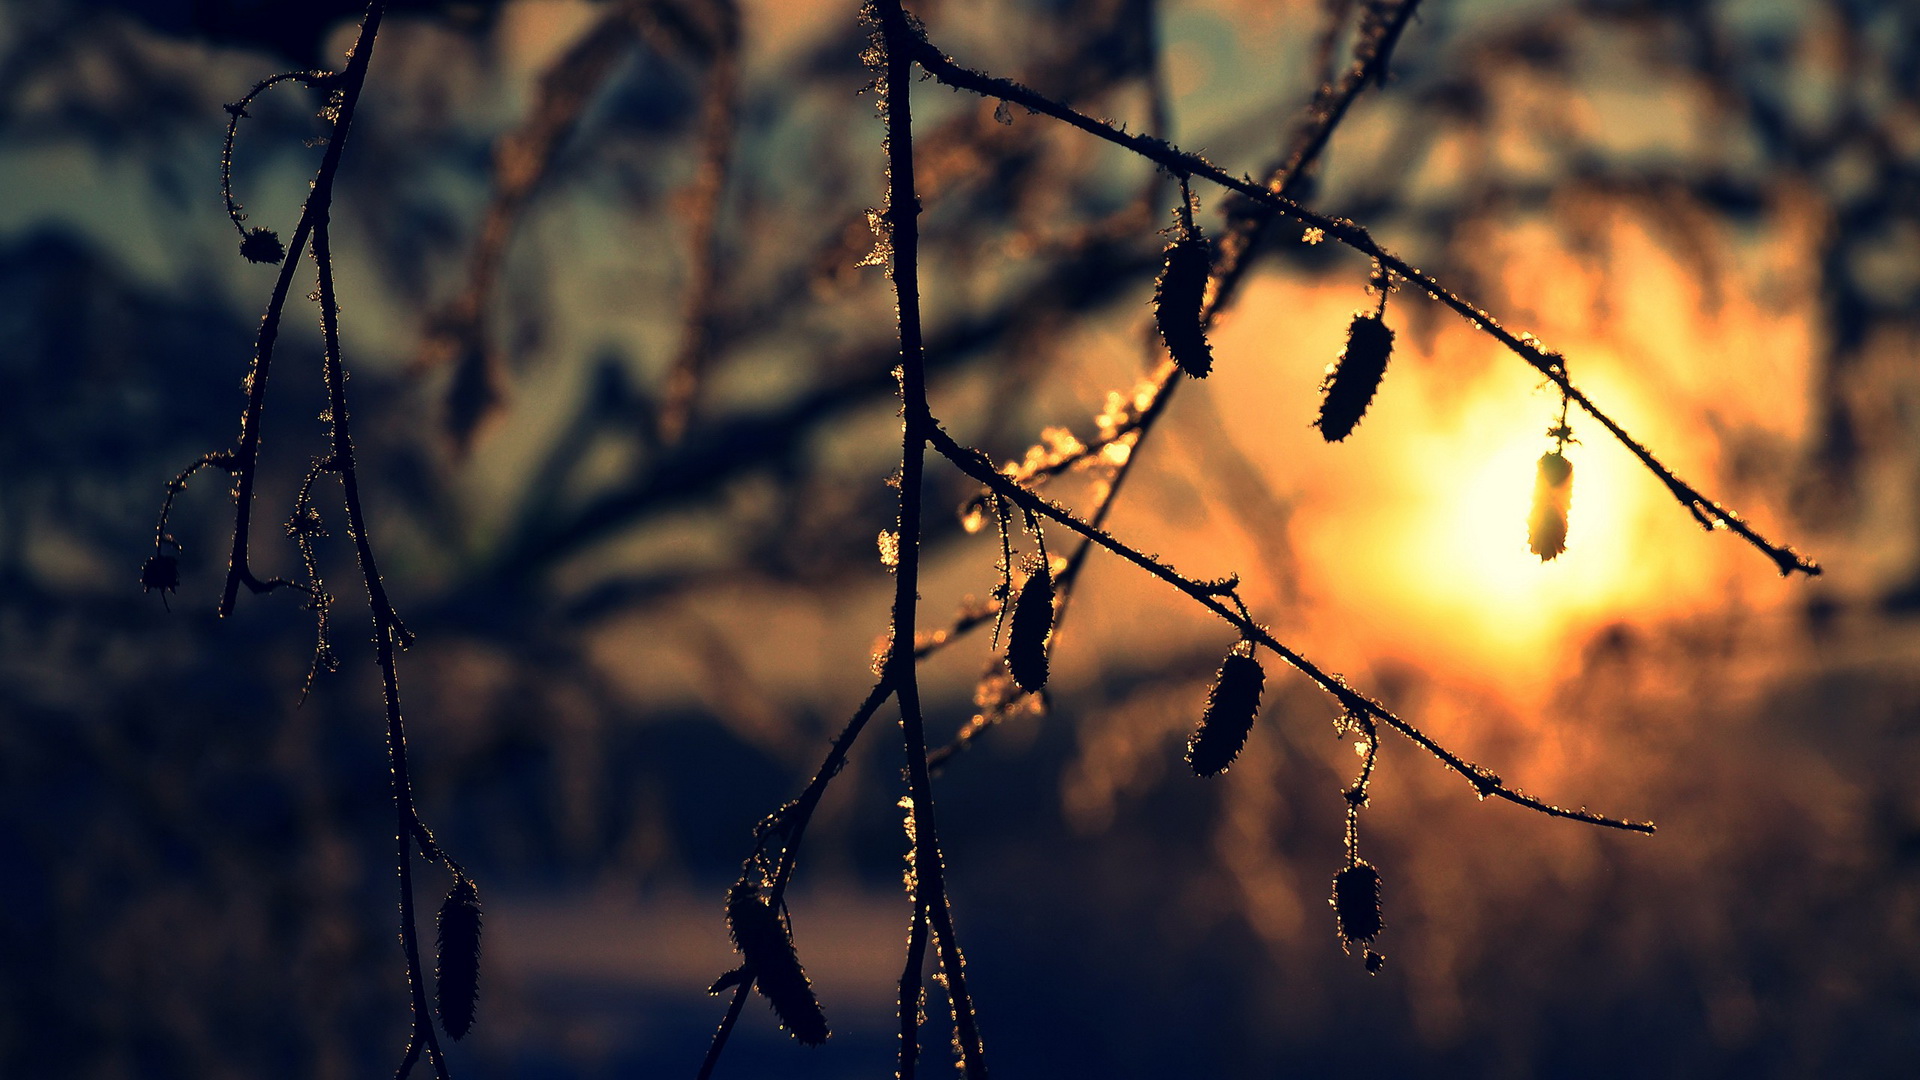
(1433, 560)
(1461, 543)
(1412, 535)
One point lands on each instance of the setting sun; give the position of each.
(1460, 546)
(1419, 546)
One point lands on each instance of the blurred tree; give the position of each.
(624, 403)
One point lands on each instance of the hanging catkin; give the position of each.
(458, 971)
(763, 939)
(1232, 703)
(1351, 382)
(1032, 622)
(1177, 300)
(1356, 902)
(1552, 496)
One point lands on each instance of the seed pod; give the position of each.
(458, 972)
(1353, 378)
(1032, 623)
(763, 939)
(1232, 703)
(1177, 300)
(262, 245)
(1356, 902)
(160, 572)
(1552, 495)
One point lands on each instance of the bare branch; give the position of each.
(978, 466)
(1710, 514)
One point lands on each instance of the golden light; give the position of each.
(1429, 551)
(1412, 540)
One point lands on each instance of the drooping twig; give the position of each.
(1233, 254)
(246, 456)
(389, 635)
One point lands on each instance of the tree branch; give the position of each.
(1708, 513)
(897, 37)
(977, 465)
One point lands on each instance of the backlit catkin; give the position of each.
(1356, 902)
(763, 939)
(1552, 496)
(1351, 382)
(458, 972)
(1032, 623)
(1232, 703)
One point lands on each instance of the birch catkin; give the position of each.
(458, 971)
(1032, 622)
(763, 939)
(1552, 497)
(1356, 902)
(1232, 703)
(1177, 300)
(1352, 380)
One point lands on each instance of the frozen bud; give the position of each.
(161, 572)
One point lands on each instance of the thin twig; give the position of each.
(727, 1022)
(978, 466)
(1707, 512)
(789, 823)
(389, 634)
(246, 456)
(1356, 796)
(236, 112)
(897, 37)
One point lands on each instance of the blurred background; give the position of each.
(625, 416)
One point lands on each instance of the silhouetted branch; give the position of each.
(246, 456)
(789, 824)
(389, 633)
(901, 215)
(1704, 510)
(978, 466)
(1129, 418)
